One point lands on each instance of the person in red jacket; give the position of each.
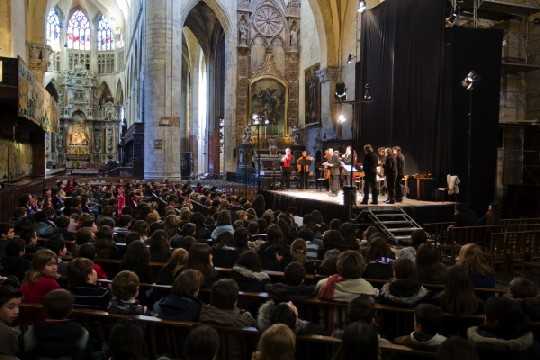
(42, 278)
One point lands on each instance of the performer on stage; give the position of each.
(303, 165)
(335, 166)
(370, 176)
(400, 166)
(286, 162)
(390, 171)
(348, 156)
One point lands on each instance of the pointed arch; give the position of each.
(78, 36)
(53, 27)
(105, 34)
(104, 93)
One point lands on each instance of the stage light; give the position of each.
(350, 58)
(341, 91)
(367, 93)
(362, 6)
(471, 81)
(342, 119)
(267, 122)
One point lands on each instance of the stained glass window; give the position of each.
(105, 35)
(78, 32)
(53, 29)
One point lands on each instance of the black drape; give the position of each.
(401, 59)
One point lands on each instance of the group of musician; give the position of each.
(384, 168)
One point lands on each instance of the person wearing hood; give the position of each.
(404, 289)
(347, 283)
(248, 272)
(425, 336)
(525, 293)
(182, 303)
(505, 332)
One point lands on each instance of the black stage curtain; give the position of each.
(401, 59)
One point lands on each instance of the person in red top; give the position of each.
(286, 163)
(41, 279)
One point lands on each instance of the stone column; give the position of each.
(328, 78)
(162, 91)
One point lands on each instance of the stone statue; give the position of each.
(246, 137)
(293, 37)
(243, 30)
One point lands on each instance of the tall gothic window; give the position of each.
(78, 33)
(105, 35)
(53, 28)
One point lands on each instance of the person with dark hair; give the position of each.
(176, 264)
(125, 290)
(10, 300)
(404, 289)
(88, 251)
(361, 308)
(202, 343)
(428, 263)
(457, 348)
(277, 342)
(126, 342)
(390, 173)
(201, 258)
(56, 336)
(42, 278)
(347, 283)
(223, 310)
(274, 252)
(359, 338)
(458, 296)
(182, 303)
(332, 239)
(105, 245)
(15, 263)
(84, 235)
(525, 293)
(137, 259)
(225, 252)
(293, 287)
(380, 258)
(82, 280)
(370, 180)
(248, 273)
(426, 326)
(57, 245)
(223, 224)
(159, 246)
(505, 332)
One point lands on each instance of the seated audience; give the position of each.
(458, 296)
(429, 265)
(10, 299)
(525, 292)
(404, 289)
(126, 342)
(202, 343)
(88, 251)
(347, 283)
(182, 303)
(82, 280)
(105, 246)
(457, 348)
(223, 224)
(473, 258)
(426, 326)
(201, 258)
(56, 336)
(125, 289)
(159, 246)
(137, 259)
(277, 342)
(298, 250)
(15, 263)
(42, 278)
(248, 273)
(293, 288)
(223, 310)
(225, 251)
(359, 338)
(505, 332)
(170, 271)
(380, 258)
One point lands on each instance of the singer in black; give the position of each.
(370, 175)
(390, 171)
(303, 164)
(400, 163)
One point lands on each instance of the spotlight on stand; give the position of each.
(350, 58)
(367, 93)
(342, 119)
(362, 6)
(471, 81)
(341, 91)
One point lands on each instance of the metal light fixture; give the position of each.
(471, 81)
(362, 6)
(341, 91)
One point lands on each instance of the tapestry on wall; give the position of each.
(269, 98)
(15, 160)
(313, 95)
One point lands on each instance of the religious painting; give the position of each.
(78, 139)
(313, 95)
(268, 97)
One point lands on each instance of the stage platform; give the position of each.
(305, 201)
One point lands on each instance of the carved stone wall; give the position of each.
(268, 47)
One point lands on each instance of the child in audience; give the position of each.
(201, 258)
(359, 338)
(457, 348)
(42, 278)
(525, 292)
(458, 296)
(10, 299)
(125, 289)
(347, 283)
(82, 280)
(182, 304)
(202, 343)
(126, 342)
(56, 336)
(248, 273)
(15, 263)
(137, 259)
(380, 258)
(88, 251)
(404, 289)
(505, 332)
(293, 287)
(430, 268)
(223, 310)
(176, 264)
(225, 251)
(473, 258)
(277, 342)
(426, 323)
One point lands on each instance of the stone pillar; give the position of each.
(328, 78)
(162, 91)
